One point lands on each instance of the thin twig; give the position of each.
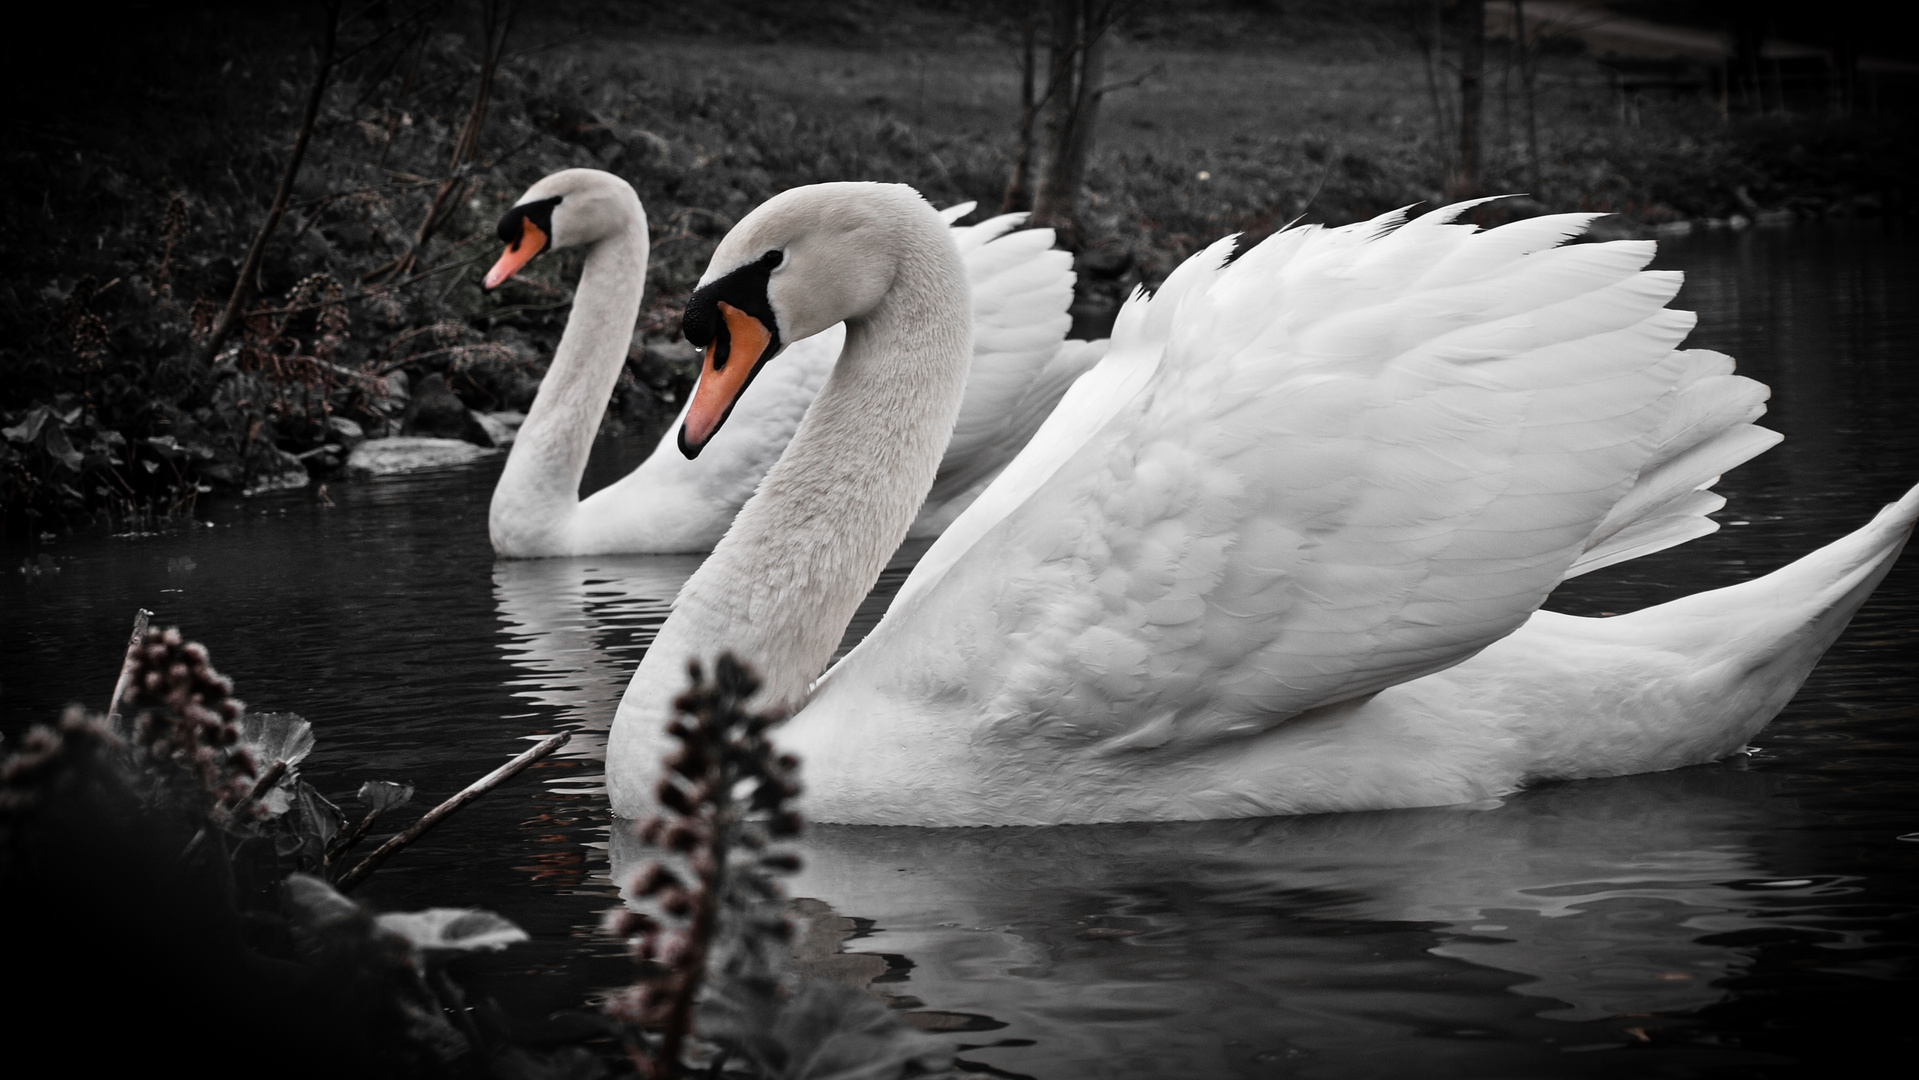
(434, 816)
(378, 289)
(261, 786)
(1128, 84)
(126, 666)
(250, 270)
(346, 841)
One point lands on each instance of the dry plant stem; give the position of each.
(346, 841)
(433, 817)
(265, 784)
(128, 665)
(706, 917)
(250, 271)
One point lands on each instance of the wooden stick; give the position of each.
(433, 817)
(126, 666)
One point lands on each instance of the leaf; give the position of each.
(317, 908)
(823, 1031)
(28, 429)
(453, 929)
(270, 736)
(319, 820)
(383, 795)
(54, 438)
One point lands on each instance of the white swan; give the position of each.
(1282, 551)
(1020, 367)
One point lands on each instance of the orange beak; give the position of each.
(730, 362)
(532, 241)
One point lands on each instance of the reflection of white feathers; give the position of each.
(573, 629)
(1230, 573)
(1021, 288)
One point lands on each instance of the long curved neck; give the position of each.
(538, 494)
(781, 587)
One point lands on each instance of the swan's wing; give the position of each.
(1347, 459)
(1021, 288)
(1709, 431)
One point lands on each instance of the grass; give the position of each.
(1243, 117)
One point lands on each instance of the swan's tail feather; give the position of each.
(1774, 628)
(1709, 431)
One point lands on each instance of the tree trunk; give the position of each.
(1071, 110)
(1472, 92)
(1528, 69)
(1019, 189)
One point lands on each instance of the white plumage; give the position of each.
(1283, 551)
(1021, 365)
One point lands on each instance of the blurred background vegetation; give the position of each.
(242, 238)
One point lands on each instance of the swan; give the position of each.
(1020, 367)
(1281, 551)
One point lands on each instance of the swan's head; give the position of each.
(568, 208)
(800, 263)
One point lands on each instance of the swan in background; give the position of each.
(1020, 367)
(1281, 551)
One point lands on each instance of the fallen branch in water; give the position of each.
(433, 817)
(128, 665)
(384, 796)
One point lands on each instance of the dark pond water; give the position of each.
(1752, 917)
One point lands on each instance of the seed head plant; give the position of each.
(726, 798)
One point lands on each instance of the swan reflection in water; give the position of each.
(576, 628)
(1180, 942)
(1338, 933)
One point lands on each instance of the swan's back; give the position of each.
(1021, 288)
(1347, 459)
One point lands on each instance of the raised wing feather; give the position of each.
(1350, 458)
(1021, 290)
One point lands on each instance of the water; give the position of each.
(1751, 917)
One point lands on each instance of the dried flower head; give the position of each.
(184, 717)
(725, 794)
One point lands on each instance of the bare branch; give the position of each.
(439, 813)
(250, 270)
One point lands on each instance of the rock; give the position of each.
(383, 457)
(669, 366)
(272, 469)
(345, 432)
(498, 432)
(437, 412)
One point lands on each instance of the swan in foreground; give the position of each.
(1281, 551)
(1020, 366)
